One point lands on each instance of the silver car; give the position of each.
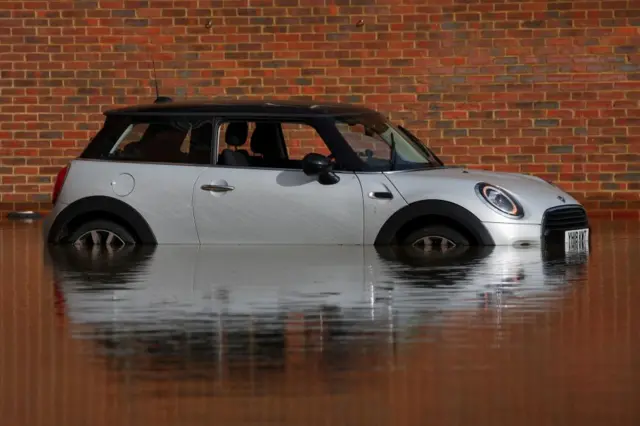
(287, 172)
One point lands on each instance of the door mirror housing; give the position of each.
(314, 164)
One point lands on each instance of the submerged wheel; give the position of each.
(101, 235)
(436, 238)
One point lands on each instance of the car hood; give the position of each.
(457, 185)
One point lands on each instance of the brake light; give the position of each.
(57, 187)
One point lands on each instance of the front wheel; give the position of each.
(436, 238)
(101, 235)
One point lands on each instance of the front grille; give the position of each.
(565, 218)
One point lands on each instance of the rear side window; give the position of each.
(161, 141)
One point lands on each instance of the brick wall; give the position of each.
(544, 87)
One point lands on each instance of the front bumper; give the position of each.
(550, 232)
(514, 234)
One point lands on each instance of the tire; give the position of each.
(442, 234)
(104, 271)
(121, 237)
(435, 268)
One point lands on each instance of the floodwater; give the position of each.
(319, 335)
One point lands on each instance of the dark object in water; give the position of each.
(25, 215)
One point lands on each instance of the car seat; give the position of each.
(235, 136)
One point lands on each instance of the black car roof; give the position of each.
(258, 107)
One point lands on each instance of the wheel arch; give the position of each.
(433, 211)
(101, 207)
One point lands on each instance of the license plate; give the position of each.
(576, 241)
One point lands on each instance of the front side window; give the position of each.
(381, 146)
(273, 143)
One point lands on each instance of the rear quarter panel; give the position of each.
(161, 193)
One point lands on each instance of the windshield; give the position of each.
(383, 146)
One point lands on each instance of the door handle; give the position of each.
(217, 188)
(381, 195)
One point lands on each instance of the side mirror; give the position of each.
(314, 164)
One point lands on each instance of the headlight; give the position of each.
(499, 200)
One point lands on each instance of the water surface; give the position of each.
(312, 335)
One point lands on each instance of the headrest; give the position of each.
(236, 134)
(264, 139)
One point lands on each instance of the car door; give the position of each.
(260, 205)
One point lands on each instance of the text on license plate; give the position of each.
(576, 240)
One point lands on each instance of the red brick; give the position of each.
(408, 61)
(626, 214)
(600, 214)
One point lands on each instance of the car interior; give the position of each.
(174, 143)
(267, 144)
(163, 143)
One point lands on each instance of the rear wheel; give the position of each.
(436, 238)
(101, 235)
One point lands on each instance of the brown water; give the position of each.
(310, 336)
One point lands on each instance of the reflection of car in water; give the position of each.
(171, 296)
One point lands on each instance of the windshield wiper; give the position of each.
(394, 155)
